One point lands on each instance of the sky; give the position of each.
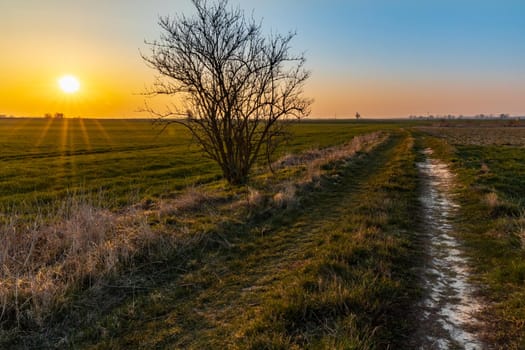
(381, 58)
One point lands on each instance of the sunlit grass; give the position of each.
(85, 134)
(43, 159)
(92, 155)
(43, 134)
(102, 130)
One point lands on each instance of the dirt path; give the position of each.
(446, 315)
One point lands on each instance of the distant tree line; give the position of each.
(452, 116)
(57, 115)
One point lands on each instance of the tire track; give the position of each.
(447, 315)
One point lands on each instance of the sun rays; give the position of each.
(85, 134)
(103, 131)
(67, 136)
(43, 134)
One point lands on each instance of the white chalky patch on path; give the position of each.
(447, 313)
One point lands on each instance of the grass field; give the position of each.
(116, 236)
(46, 159)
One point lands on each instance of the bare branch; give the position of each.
(239, 86)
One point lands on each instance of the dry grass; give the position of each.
(491, 200)
(285, 197)
(192, 198)
(317, 157)
(43, 259)
(314, 161)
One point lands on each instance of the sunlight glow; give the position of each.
(85, 134)
(69, 84)
(43, 134)
(103, 131)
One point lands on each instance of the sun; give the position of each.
(69, 84)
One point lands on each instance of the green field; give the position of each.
(117, 236)
(45, 159)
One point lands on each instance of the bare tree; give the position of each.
(236, 86)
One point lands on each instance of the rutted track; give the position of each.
(447, 313)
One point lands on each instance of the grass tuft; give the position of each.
(286, 196)
(46, 258)
(492, 200)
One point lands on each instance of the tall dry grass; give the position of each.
(286, 195)
(313, 161)
(44, 258)
(190, 199)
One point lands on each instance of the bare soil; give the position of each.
(447, 313)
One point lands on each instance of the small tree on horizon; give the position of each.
(237, 87)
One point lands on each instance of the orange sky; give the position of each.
(109, 82)
(380, 59)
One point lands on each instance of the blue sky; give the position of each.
(381, 58)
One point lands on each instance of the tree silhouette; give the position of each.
(236, 86)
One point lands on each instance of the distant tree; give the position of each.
(236, 85)
(48, 116)
(59, 115)
(357, 115)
